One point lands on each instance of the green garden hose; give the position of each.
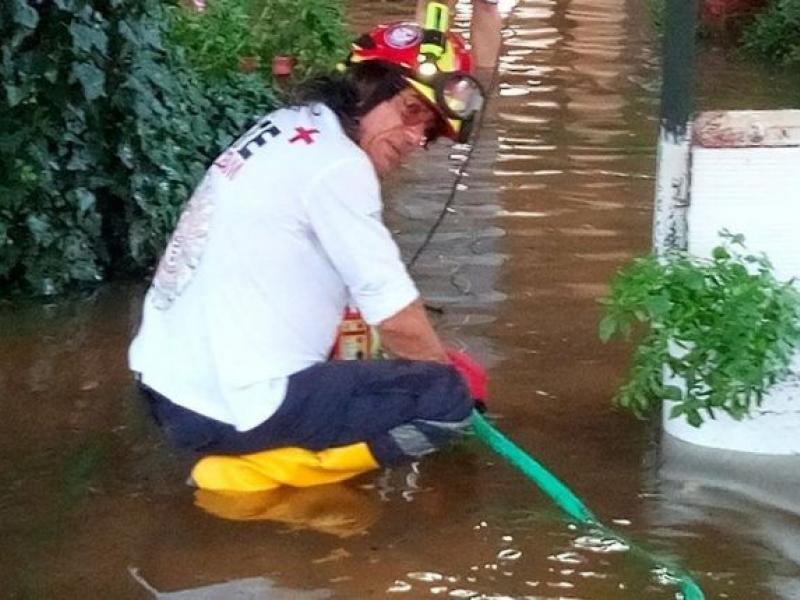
(570, 503)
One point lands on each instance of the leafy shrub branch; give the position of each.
(771, 34)
(775, 33)
(722, 330)
(107, 122)
(218, 39)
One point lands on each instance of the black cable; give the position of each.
(460, 173)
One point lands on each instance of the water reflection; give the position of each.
(333, 509)
(752, 498)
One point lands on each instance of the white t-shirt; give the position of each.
(282, 233)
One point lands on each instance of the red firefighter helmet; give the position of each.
(437, 64)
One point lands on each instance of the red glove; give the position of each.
(473, 373)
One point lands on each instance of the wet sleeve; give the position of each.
(345, 214)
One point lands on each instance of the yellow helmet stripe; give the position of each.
(430, 96)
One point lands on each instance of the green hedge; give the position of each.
(772, 34)
(775, 33)
(216, 40)
(106, 125)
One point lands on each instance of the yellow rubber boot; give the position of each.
(270, 469)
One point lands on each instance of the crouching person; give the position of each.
(282, 234)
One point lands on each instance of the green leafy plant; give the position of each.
(106, 125)
(172, 121)
(775, 33)
(53, 155)
(104, 130)
(217, 39)
(312, 32)
(771, 33)
(723, 330)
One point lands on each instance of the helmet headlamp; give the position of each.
(427, 68)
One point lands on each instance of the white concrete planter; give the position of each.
(773, 428)
(745, 177)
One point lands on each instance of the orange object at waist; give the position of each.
(356, 340)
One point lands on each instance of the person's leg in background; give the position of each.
(485, 35)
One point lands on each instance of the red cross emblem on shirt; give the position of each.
(303, 134)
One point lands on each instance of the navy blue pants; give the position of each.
(402, 409)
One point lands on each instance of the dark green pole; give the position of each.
(672, 169)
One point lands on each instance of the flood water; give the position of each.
(557, 194)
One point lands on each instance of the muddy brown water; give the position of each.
(558, 194)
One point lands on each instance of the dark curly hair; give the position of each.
(353, 92)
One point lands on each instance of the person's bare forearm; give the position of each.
(485, 36)
(409, 334)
